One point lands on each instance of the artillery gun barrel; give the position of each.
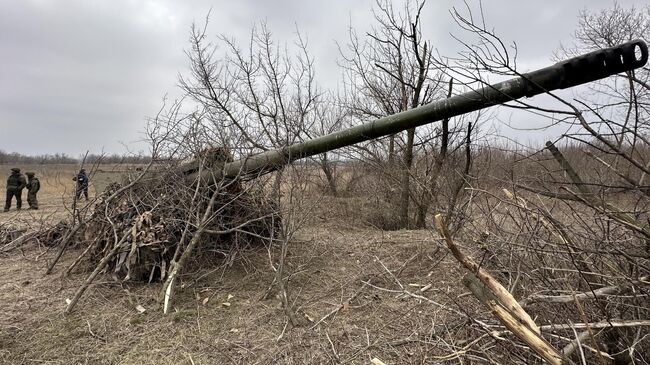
(572, 72)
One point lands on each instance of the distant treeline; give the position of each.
(62, 158)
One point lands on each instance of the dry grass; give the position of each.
(57, 192)
(329, 261)
(107, 329)
(338, 254)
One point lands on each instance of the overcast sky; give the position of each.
(81, 75)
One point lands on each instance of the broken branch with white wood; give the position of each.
(505, 298)
(596, 293)
(596, 325)
(536, 342)
(500, 302)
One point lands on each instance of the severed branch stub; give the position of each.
(500, 302)
(506, 299)
(514, 324)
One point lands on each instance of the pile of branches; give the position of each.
(150, 227)
(53, 235)
(8, 234)
(148, 220)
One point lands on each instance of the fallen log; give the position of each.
(18, 242)
(500, 302)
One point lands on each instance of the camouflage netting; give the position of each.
(149, 219)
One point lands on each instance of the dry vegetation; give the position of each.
(335, 260)
(57, 191)
(433, 245)
(355, 290)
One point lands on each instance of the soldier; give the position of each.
(15, 185)
(33, 186)
(82, 184)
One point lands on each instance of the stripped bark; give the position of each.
(596, 325)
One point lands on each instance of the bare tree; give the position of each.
(391, 71)
(330, 116)
(254, 98)
(259, 97)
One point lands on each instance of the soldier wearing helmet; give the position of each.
(15, 185)
(33, 186)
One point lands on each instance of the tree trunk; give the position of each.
(463, 181)
(329, 174)
(277, 185)
(406, 178)
(421, 214)
(391, 150)
(427, 198)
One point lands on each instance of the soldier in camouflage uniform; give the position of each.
(15, 185)
(82, 184)
(33, 186)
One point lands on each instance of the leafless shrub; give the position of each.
(569, 233)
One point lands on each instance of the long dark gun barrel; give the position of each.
(575, 71)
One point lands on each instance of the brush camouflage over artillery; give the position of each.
(157, 239)
(572, 72)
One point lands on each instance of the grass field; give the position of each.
(358, 292)
(336, 261)
(57, 192)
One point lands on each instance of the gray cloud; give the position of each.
(81, 75)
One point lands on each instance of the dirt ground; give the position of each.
(334, 262)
